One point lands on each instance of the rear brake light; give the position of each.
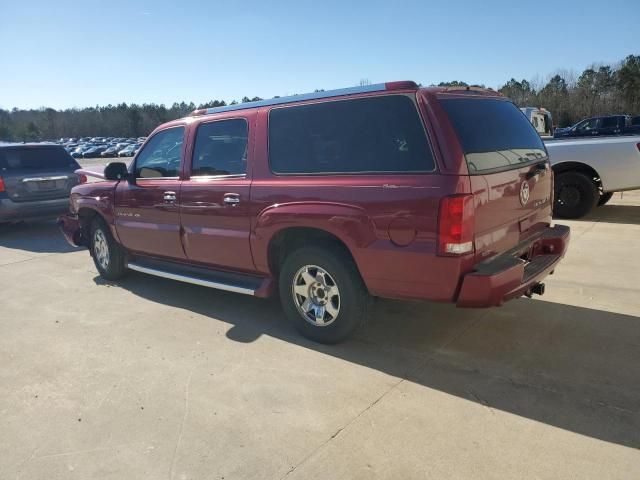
(401, 85)
(1, 185)
(82, 178)
(455, 225)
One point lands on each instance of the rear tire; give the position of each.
(575, 195)
(322, 293)
(604, 198)
(107, 254)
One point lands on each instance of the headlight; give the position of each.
(73, 203)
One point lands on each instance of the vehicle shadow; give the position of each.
(627, 214)
(34, 237)
(570, 367)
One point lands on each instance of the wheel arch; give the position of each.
(579, 167)
(86, 215)
(291, 238)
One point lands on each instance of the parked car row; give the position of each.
(103, 147)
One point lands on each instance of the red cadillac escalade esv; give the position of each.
(390, 190)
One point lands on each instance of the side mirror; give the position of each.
(116, 171)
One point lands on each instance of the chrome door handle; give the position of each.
(231, 199)
(169, 197)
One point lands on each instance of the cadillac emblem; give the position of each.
(524, 193)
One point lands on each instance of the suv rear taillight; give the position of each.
(455, 225)
(82, 178)
(1, 185)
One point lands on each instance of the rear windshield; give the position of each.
(494, 134)
(36, 158)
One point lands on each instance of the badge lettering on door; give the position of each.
(127, 214)
(540, 203)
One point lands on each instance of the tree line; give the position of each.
(598, 90)
(112, 120)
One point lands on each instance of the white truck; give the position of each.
(589, 171)
(541, 120)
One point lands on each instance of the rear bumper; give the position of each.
(508, 275)
(13, 211)
(71, 229)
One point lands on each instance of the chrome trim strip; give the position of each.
(200, 178)
(142, 179)
(43, 179)
(378, 87)
(186, 279)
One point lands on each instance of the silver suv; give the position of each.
(35, 181)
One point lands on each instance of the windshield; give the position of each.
(495, 135)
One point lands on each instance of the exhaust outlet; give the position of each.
(538, 289)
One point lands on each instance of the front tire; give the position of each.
(575, 195)
(322, 293)
(108, 256)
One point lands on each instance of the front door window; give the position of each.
(161, 156)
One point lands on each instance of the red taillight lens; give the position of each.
(455, 225)
(82, 178)
(1, 185)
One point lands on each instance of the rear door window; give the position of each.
(609, 122)
(220, 148)
(494, 134)
(36, 158)
(366, 135)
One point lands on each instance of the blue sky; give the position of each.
(64, 54)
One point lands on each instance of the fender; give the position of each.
(98, 197)
(348, 223)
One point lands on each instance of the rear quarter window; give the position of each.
(365, 135)
(494, 134)
(36, 158)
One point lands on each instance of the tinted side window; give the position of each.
(377, 134)
(609, 122)
(494, 134)
(162, 154)
(220, 148)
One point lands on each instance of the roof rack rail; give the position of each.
(378, 87)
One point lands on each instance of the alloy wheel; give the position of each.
(101, 249)
(316, 295)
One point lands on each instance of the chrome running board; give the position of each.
(243, 287)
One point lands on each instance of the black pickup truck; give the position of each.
(599, 126)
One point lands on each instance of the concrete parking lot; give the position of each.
(150, 379)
